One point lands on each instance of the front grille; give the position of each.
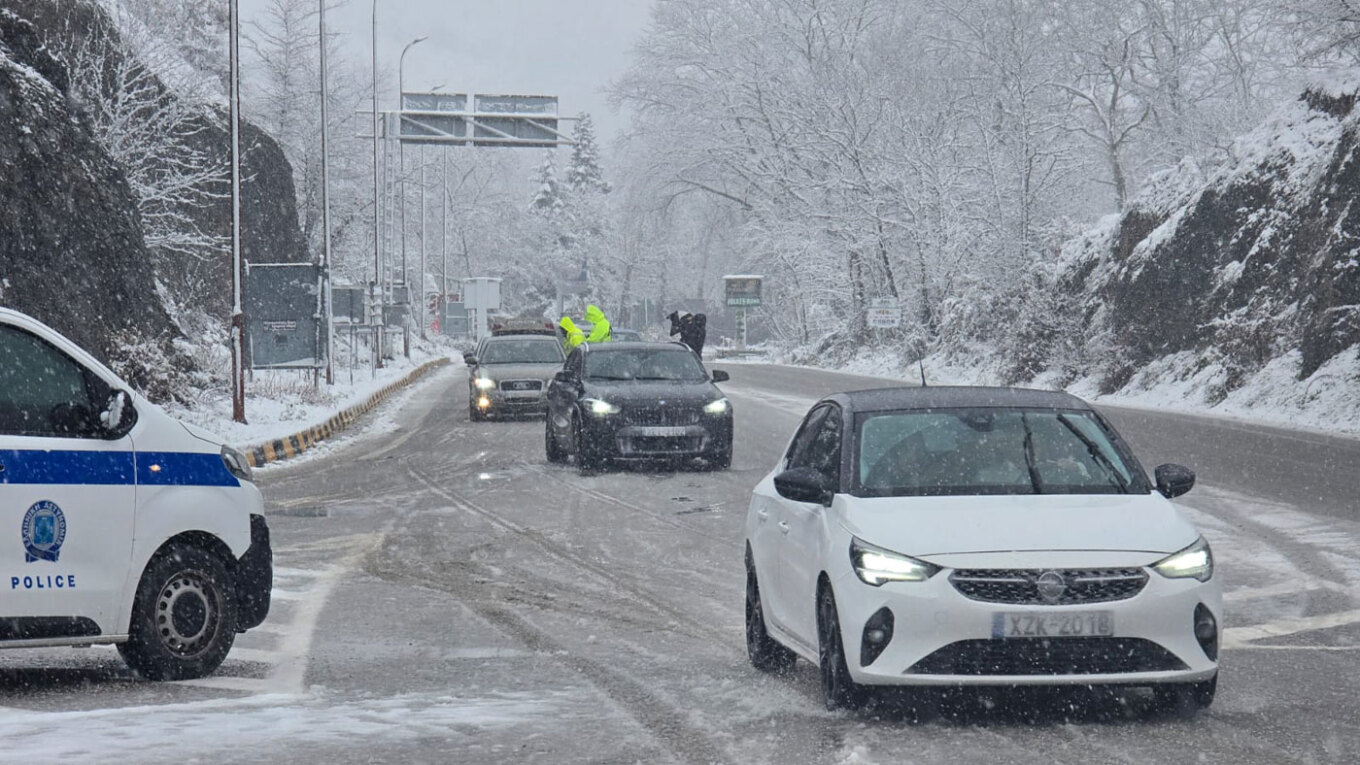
(519, 385)
(1048, 656)
(1021, 586)
(664, 416)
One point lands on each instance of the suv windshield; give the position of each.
(989, 451)
(538, 351)
(644, 364)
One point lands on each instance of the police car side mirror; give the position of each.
(113, 417)
(720, 376)
(563, 376)
(470, 359)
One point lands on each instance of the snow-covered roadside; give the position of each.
(280, 403)
(1328, 401)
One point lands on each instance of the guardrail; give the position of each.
(297, 443)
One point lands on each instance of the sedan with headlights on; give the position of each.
(977, 537)
(509, 374)
(623, 401)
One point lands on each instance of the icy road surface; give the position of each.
(443, 595)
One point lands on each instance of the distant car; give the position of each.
(637, 401)
(509, 374)
(977, 536)
(621, 335)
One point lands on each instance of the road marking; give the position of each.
(1239, 637)
(1284, 588)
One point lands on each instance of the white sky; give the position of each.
(568, 48)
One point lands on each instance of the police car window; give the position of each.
(43, 392)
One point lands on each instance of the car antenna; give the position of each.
(922, 364)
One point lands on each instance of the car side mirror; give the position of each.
(805, 484)
(113, 416)
(470, 359)
(1174, 480)
(563, 376)
(720, 376)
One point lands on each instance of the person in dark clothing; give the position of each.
(692, 329)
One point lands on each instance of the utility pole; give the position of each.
(421, 279)
(238, 318)
(323, 298)
(401, 186)
(376, 287)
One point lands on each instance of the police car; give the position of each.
(118, 523)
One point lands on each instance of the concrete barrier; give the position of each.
(297, 443)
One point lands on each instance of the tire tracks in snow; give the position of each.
(662, 719)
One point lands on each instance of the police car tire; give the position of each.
(155, 648)
(587, 461)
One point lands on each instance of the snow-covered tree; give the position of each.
(584, 173)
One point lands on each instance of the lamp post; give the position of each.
(238, 319)
(376, 287)
(401, 181)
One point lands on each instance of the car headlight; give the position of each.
(600, 407)
(874, 565)
(484, 383)
(1194, 562)
(717, 407)
(236, 463)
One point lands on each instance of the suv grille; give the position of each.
(1020, 586)
(668, 416)
(1048, 656)
(517, 385)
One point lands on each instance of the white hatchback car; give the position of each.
(977, 536)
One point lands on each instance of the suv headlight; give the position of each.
(1194, 562)
(484, 383)
(874, 565)
(236, 463)
(717, 407)
(600, 407)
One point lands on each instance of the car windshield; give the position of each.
(988, 451)
(644, 364)
(537, 351)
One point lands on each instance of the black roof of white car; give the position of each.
(948, 396)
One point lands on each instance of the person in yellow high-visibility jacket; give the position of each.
(599, 332)
(572, 335)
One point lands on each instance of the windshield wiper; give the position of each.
(608, 377)
(1096, 454)
(1034, 478)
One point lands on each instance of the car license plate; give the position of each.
(659, 431)
(1053, 624)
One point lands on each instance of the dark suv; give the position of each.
(637, 401)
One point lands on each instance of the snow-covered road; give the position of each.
(444, 595)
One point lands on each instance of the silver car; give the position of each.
(509, 374)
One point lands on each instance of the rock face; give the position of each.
(71, 251)
(1260, 259)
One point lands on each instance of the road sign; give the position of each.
(480, 119)
(280, 303)
(883, 313)
(743, 290)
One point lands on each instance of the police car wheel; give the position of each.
(184, 617)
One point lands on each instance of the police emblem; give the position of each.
(44, 530)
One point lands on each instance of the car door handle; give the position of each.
(763, 515)
(784, 527)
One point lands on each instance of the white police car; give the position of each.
(118, 523)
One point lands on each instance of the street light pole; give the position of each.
(376, 286)
(238, 319)
(324, 293)
(401, 180)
